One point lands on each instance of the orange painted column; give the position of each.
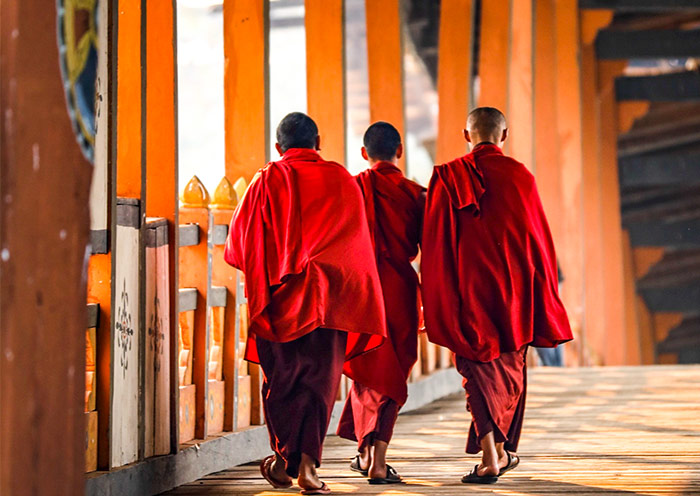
(454, 77)
(613, 261)
(569, 127)
(325, 74)
(494, 48)
(129, 132)
(643, 259)
(520, 109)
(161, 159)
(246, 87)
(385, 64)
(594, 320)
(546, 136)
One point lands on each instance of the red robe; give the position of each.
(306, 254)
(394, 207)
(489, 270)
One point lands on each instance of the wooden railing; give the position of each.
(191, 375)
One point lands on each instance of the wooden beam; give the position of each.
(681, 299)
(161, 161)
(613, 262)
(637, 6)
(246, 87)
(647, 44)
(520, 111)
(325, 74)
(569, 131)
(672, 87)
(385, 65)
(672, 234)
(43, 241)
(494, 49)
(454, 77)
(661, 168)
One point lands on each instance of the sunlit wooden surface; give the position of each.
(612, 431)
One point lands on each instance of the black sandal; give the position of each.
(513, 461)
(356, 467)
(473, 477)
(392, 477)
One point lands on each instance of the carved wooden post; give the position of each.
(194, 273)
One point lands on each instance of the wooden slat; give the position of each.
(385, 64)
(672, 87)
(520, 111)
(454, 77)
(639, 6)
(325, 74)
(246, 87)
(653, 44)
(588, 431)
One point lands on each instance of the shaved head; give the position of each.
(486, 124)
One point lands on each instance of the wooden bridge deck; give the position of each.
(611, 431)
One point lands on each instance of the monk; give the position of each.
(489, 275)
(394, 207)
(314, 296)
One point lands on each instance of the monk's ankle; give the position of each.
(489, 469)
(377, 471)
(278, 471)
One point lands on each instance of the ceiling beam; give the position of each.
(660, 169)
(613, 44)
(671, 87)
(682, 299)
(640, 5)
(676, 234)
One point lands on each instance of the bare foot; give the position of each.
(277, 471)
(308, 478)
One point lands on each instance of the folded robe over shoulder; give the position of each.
(300, 236)
(489, 270)
(394, 207)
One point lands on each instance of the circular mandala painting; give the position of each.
(77, 45)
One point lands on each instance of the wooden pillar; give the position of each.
(494, 48)
(594, 318)
(568, 100)
(613, 261)
(454, 77)
(545, 127)
(520, 110)
(643, 259)
(246, 87)
(44, 226)
(385, 65)
(161, 160)
(325, 74)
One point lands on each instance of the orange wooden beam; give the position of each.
(454, 77)
(161, 158)
(595, 323)
(325, 74)
(246, 87)
(385, 64)
(494, 48)
(129, 132)
(569, 126)
(520, 111)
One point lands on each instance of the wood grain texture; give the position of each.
(588, 431)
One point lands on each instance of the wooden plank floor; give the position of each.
(610, 431)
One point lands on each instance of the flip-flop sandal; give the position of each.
(392, 477)
(513, 461)
(473, 477)
(355, 466)
(265, 466)
(324, 489)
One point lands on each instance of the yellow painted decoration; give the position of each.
(195, 194)
(224, 196)
(240, 186)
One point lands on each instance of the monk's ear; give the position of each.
(278, 147)
(399, 150)
(364, 153)
(466, 136)
(318, 143)
(504, 136)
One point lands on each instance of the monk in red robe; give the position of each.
(314, 296)
(489, 276)
(394, 207)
